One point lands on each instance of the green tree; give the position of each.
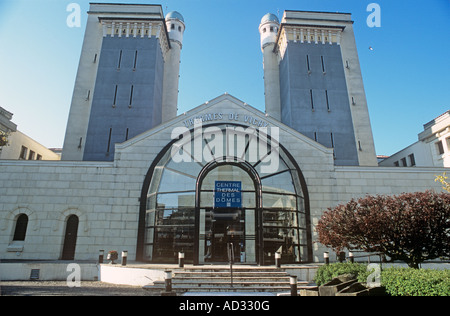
(3, 139)
(443, 180)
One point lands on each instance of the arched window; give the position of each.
(70, 239)
(21, 228)
(180, 213)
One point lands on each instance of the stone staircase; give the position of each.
(215, 279)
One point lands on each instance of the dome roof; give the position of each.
(270, 17)
(174, 15)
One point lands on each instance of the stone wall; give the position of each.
(106, 195)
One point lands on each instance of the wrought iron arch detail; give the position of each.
(241, 163)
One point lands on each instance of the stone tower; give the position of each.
(313, 82)
(127, 81)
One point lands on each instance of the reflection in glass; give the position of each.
(172, 210)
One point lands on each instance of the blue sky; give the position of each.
(406, 75)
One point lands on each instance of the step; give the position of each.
(223, 283)
(227, 274)
(228, 278)
(215, 271)
(219, 280)
(223, 288)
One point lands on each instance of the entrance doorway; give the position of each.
(223, 227)
(180, 209)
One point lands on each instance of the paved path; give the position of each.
(60, 288)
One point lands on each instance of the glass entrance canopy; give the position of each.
(242, 189)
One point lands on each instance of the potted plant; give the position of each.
(112, 255)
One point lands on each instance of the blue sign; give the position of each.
(228, 194)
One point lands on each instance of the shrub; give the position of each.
(413, 282)
(412, 227)
(327, 272)
(396, 281)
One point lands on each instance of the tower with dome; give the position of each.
(313, 82)
(127, 80)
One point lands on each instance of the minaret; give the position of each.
(175, 27)
(269, 29)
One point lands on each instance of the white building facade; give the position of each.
(223, 173)
(20, 146)
(151, 206)
(431, 150)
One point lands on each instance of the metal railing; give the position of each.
(230, 251)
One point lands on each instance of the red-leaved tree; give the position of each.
(411, 227)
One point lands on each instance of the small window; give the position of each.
(21, 228)
(440, 147)
(109, 141)
(31, 155)
(115, 96)
(271, 28)
(312, 99)
(328, 102)
(23, 153)
(172, 26)
(264, 30)
(39, 157)
(332, 145)
(131, 96)
(135, 60)
(412, 160)
(396, 164)
(404, 164)
(120, 59)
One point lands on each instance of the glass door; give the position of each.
(223, 227)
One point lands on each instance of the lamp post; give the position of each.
(101, 254)
(124, 257)
(278, 259)
(293, 283)
(351, 257)
(181, 259)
